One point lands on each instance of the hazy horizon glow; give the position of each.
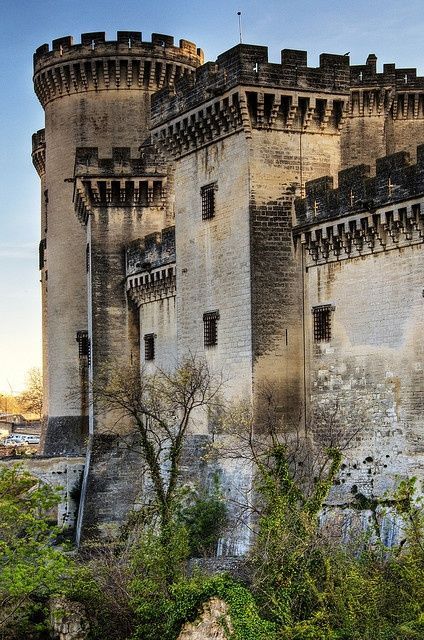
(334, 27)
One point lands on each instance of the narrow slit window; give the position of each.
(149, 346)
(322, 322)
(210, 328)
(208, 201)
(42, 253)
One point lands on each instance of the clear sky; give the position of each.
(391, 29)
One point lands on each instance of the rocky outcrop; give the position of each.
(213, 623)
(68, 620)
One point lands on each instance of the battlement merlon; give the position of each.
(396, 180)
(151, 268)
(124, 64)
(248, 65)
(39, 151)
(150, 252)
(119, 181)
(366, 76)
(120, 164)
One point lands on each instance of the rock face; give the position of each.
(68, 620)
(212, 624)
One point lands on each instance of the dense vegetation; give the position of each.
(303, 585)
(301, 589)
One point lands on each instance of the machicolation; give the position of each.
(208, 208)
(125, 63)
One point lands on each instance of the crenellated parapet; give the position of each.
(150, 267)
(126, 63)
(248, 65)
(398, 92)
(118, 181)
(39, 152)
(364, 214)
(243, 91)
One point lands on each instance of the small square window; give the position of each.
(149, 346)
(322, 322)
(210, 328)
(208, 200)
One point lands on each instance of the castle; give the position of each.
(266, 216)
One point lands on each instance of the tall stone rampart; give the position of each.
(289, 118)
(362, 246)
(118, 199)
(39, 162)
(93, 93)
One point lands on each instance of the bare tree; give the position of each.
(31, 399)
(156, 411)
(259, 435)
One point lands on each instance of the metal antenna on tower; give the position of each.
(239, 20)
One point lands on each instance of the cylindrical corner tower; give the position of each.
(96, 93)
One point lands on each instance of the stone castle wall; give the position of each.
(362, 246)
(253, 133)
(213, 265)
(64, 474)
(278, 160)
(151, 286)
(96, 93)
(118, 198)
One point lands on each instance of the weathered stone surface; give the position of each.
(213, 623)
(256, 133)
(63, 473)
(68, 620)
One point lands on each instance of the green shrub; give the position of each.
(204, 517)
(31, 568)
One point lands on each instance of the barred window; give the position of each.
(210, 328)
(84, 347)
(322, 322)
(208, 200)
(149, 346)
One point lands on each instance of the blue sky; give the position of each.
(391, 30)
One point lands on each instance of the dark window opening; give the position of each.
(208, 201)
(87, 258)
(84, 347)
(41, 253)
(210, 328)
(149, 346)
(322, 322)
(46, 202)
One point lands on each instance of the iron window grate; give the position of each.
(208, 200)
(84, 346)
(149, 346)
(322, 322)
(210, 328)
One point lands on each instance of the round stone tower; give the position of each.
(95, 94)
